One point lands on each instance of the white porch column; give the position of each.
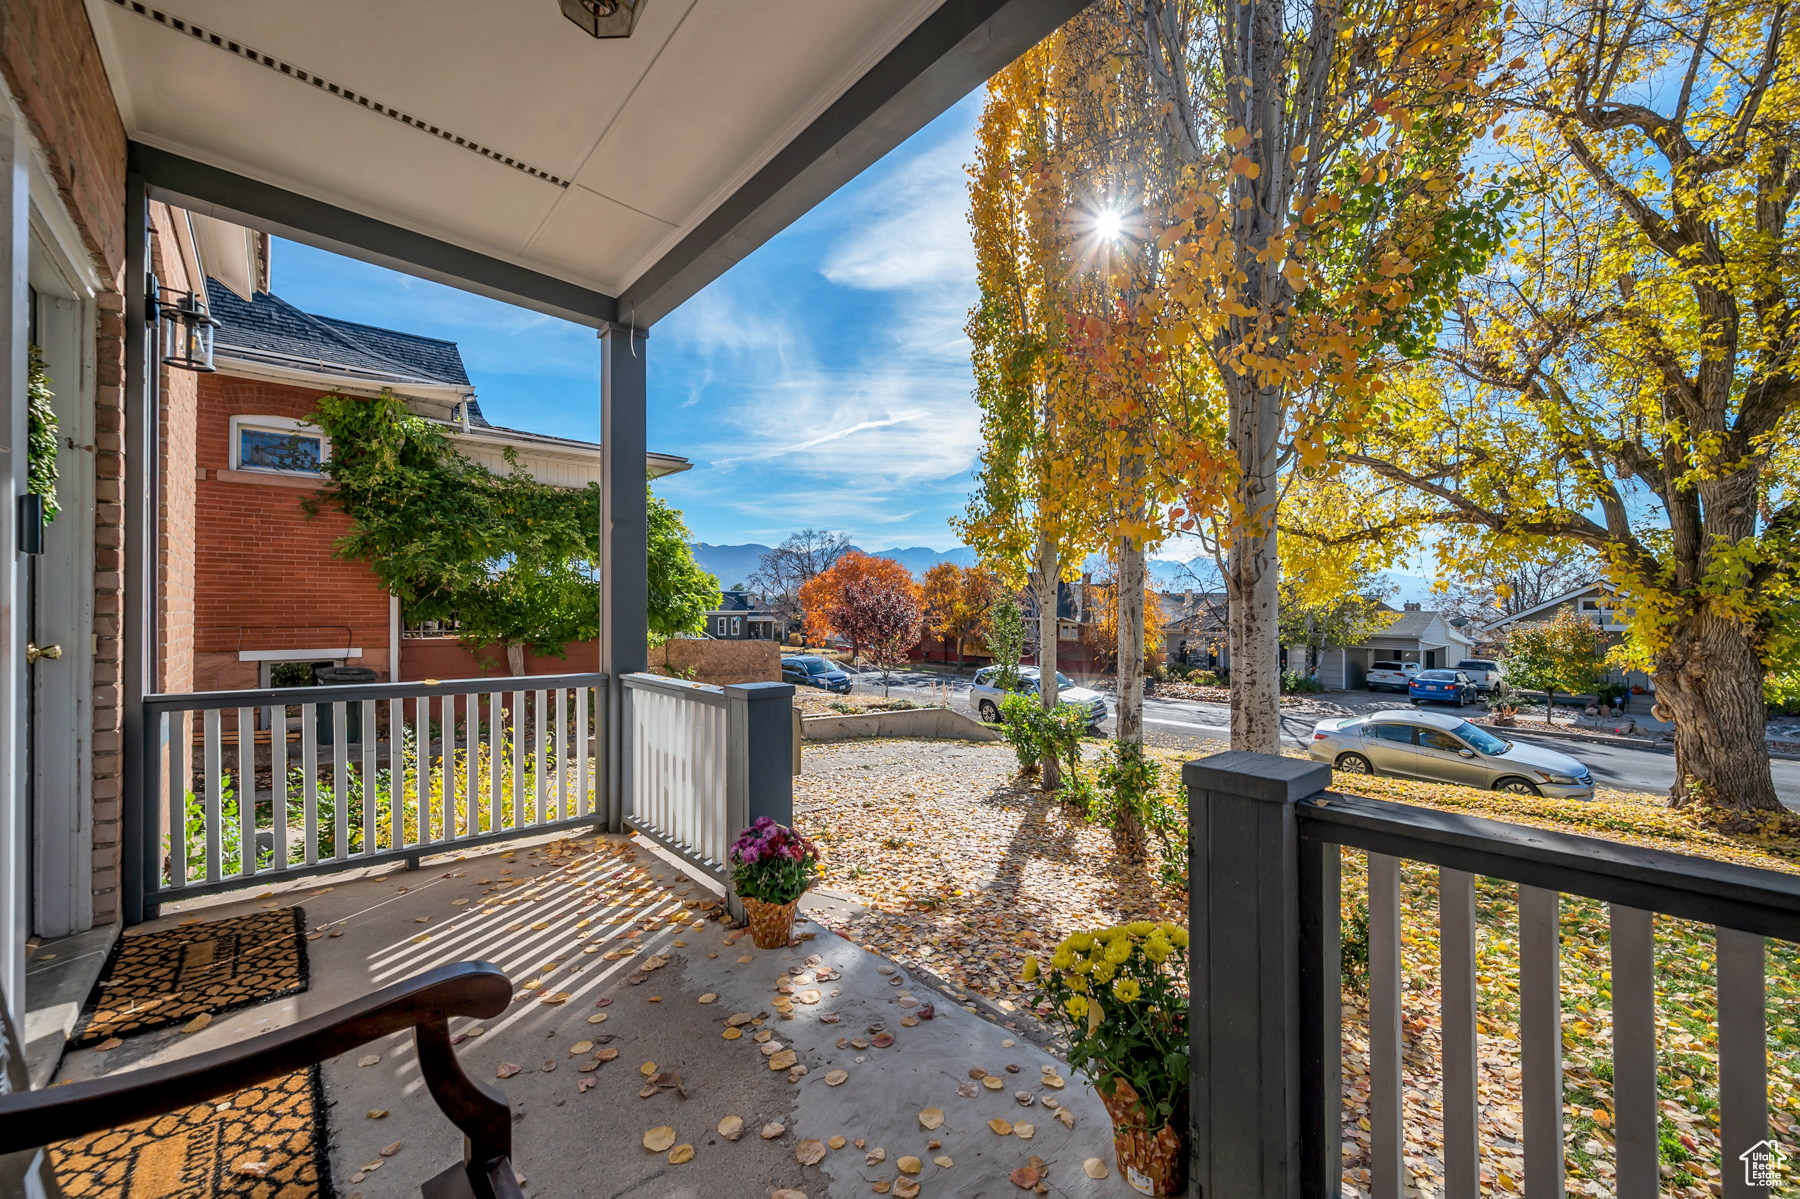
(15, 834)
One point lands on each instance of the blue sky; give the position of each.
(823, 381)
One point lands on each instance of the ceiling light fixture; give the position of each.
(604, 18)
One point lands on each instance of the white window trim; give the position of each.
(276, 424)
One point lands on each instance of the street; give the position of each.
(1206, 727)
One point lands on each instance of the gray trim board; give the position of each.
(952, 52)
(214, 191)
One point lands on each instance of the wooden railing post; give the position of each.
(1250, 1032)
(759, 757)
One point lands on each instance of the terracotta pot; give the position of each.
(771, 924)
(1152, 1163)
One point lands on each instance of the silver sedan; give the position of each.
(1447, 749)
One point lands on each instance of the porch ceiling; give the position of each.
(505, 130)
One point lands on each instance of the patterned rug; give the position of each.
(168, 977)
(266, 1142)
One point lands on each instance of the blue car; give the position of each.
(814, 671)
(1444, 686)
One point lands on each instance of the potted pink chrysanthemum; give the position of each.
(771, 868)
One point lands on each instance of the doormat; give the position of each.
(168, 977)
(265, 1142)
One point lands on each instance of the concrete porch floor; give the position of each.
(568, 913)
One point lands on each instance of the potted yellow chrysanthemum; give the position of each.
(1117, 991)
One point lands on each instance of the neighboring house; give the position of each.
(743, 616)
(261, 583)
(1594, 602)
(1195, 629)
(1432, 639)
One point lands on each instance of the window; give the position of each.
(1390, 732)
(1394, 666)
(737, 625)
(1481, 739)
(1438, 739)
(279, 445)
(722, 626)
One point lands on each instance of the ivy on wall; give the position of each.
(514, 561)
(41, 435)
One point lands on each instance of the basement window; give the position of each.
(278, 445)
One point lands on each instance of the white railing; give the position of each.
(304, 780)
(700, 763)
(678, 740)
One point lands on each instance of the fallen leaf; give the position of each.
(909, 1022)
(809, 1152)
(659, 1139)
(607, 1055)
(596, 1018)
(943, 1162)
(882, 1040)
(1001, 1127)
(787, 1193)
(584, 1085)
(732, 1034)
(603, 1001)
(369, 1059)
(783, 1060)
(109, 1043)
(647, 1069)
(475, 1032)
(928, 1011)
(507, 1070)
(904, 1188)
(836, 1142)
(1024, 1131)
(874, 1157)
(731, 1127)
(559, 997)
(1024, 1097)
(882, 1188)
(761, 1036)
(421, 938)
(1063, 1114)
(1093, 1167)
(992, 1082)
(681, 1155)
(910, 1165)
(580, 1047)
(1053, 1080)
(390, 1150)
(547, 1066)
(931, 1117)
(772, 1130)
(967, 1090)
(745, 958)
(540, 926)
(709, 997)
(836, 1078)
(1024, 1177)
(198, 1022)
(808, 996)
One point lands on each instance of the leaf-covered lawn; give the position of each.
(967, 870)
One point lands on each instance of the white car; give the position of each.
(1483, 672)
(985, 695)
(1391, 676)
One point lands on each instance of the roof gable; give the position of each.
(268, 326)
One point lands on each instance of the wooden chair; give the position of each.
(29, 1120)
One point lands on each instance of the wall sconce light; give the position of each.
(604, 18)
(187, 331)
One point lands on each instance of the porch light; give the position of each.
(187, 331)
(604, 18)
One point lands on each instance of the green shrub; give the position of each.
(1298, 682)
(1127, 792)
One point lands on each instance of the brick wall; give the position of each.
(445, 659)
(175, 500)
(264, 575)
(52, 66)
(109, 567)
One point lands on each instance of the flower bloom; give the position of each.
(1063, 958)
(1119, 952)
(1031, 969)
(1076, 1006)
(1157, 949)
(1104, 970)
(1126, 989)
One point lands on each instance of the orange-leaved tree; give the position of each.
(957, 601)
(860, 577)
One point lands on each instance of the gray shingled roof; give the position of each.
(271, 325)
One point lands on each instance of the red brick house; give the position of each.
(258, 575)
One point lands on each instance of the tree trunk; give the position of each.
(1252, 579)
(1710, 681)
(515, 658)
(1044, 578)
(1128, 723)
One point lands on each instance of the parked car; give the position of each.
(1443, 748)
(813, 671)
(985, 696)
(1391, 676)
(1444, 686)
(1484, 671)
